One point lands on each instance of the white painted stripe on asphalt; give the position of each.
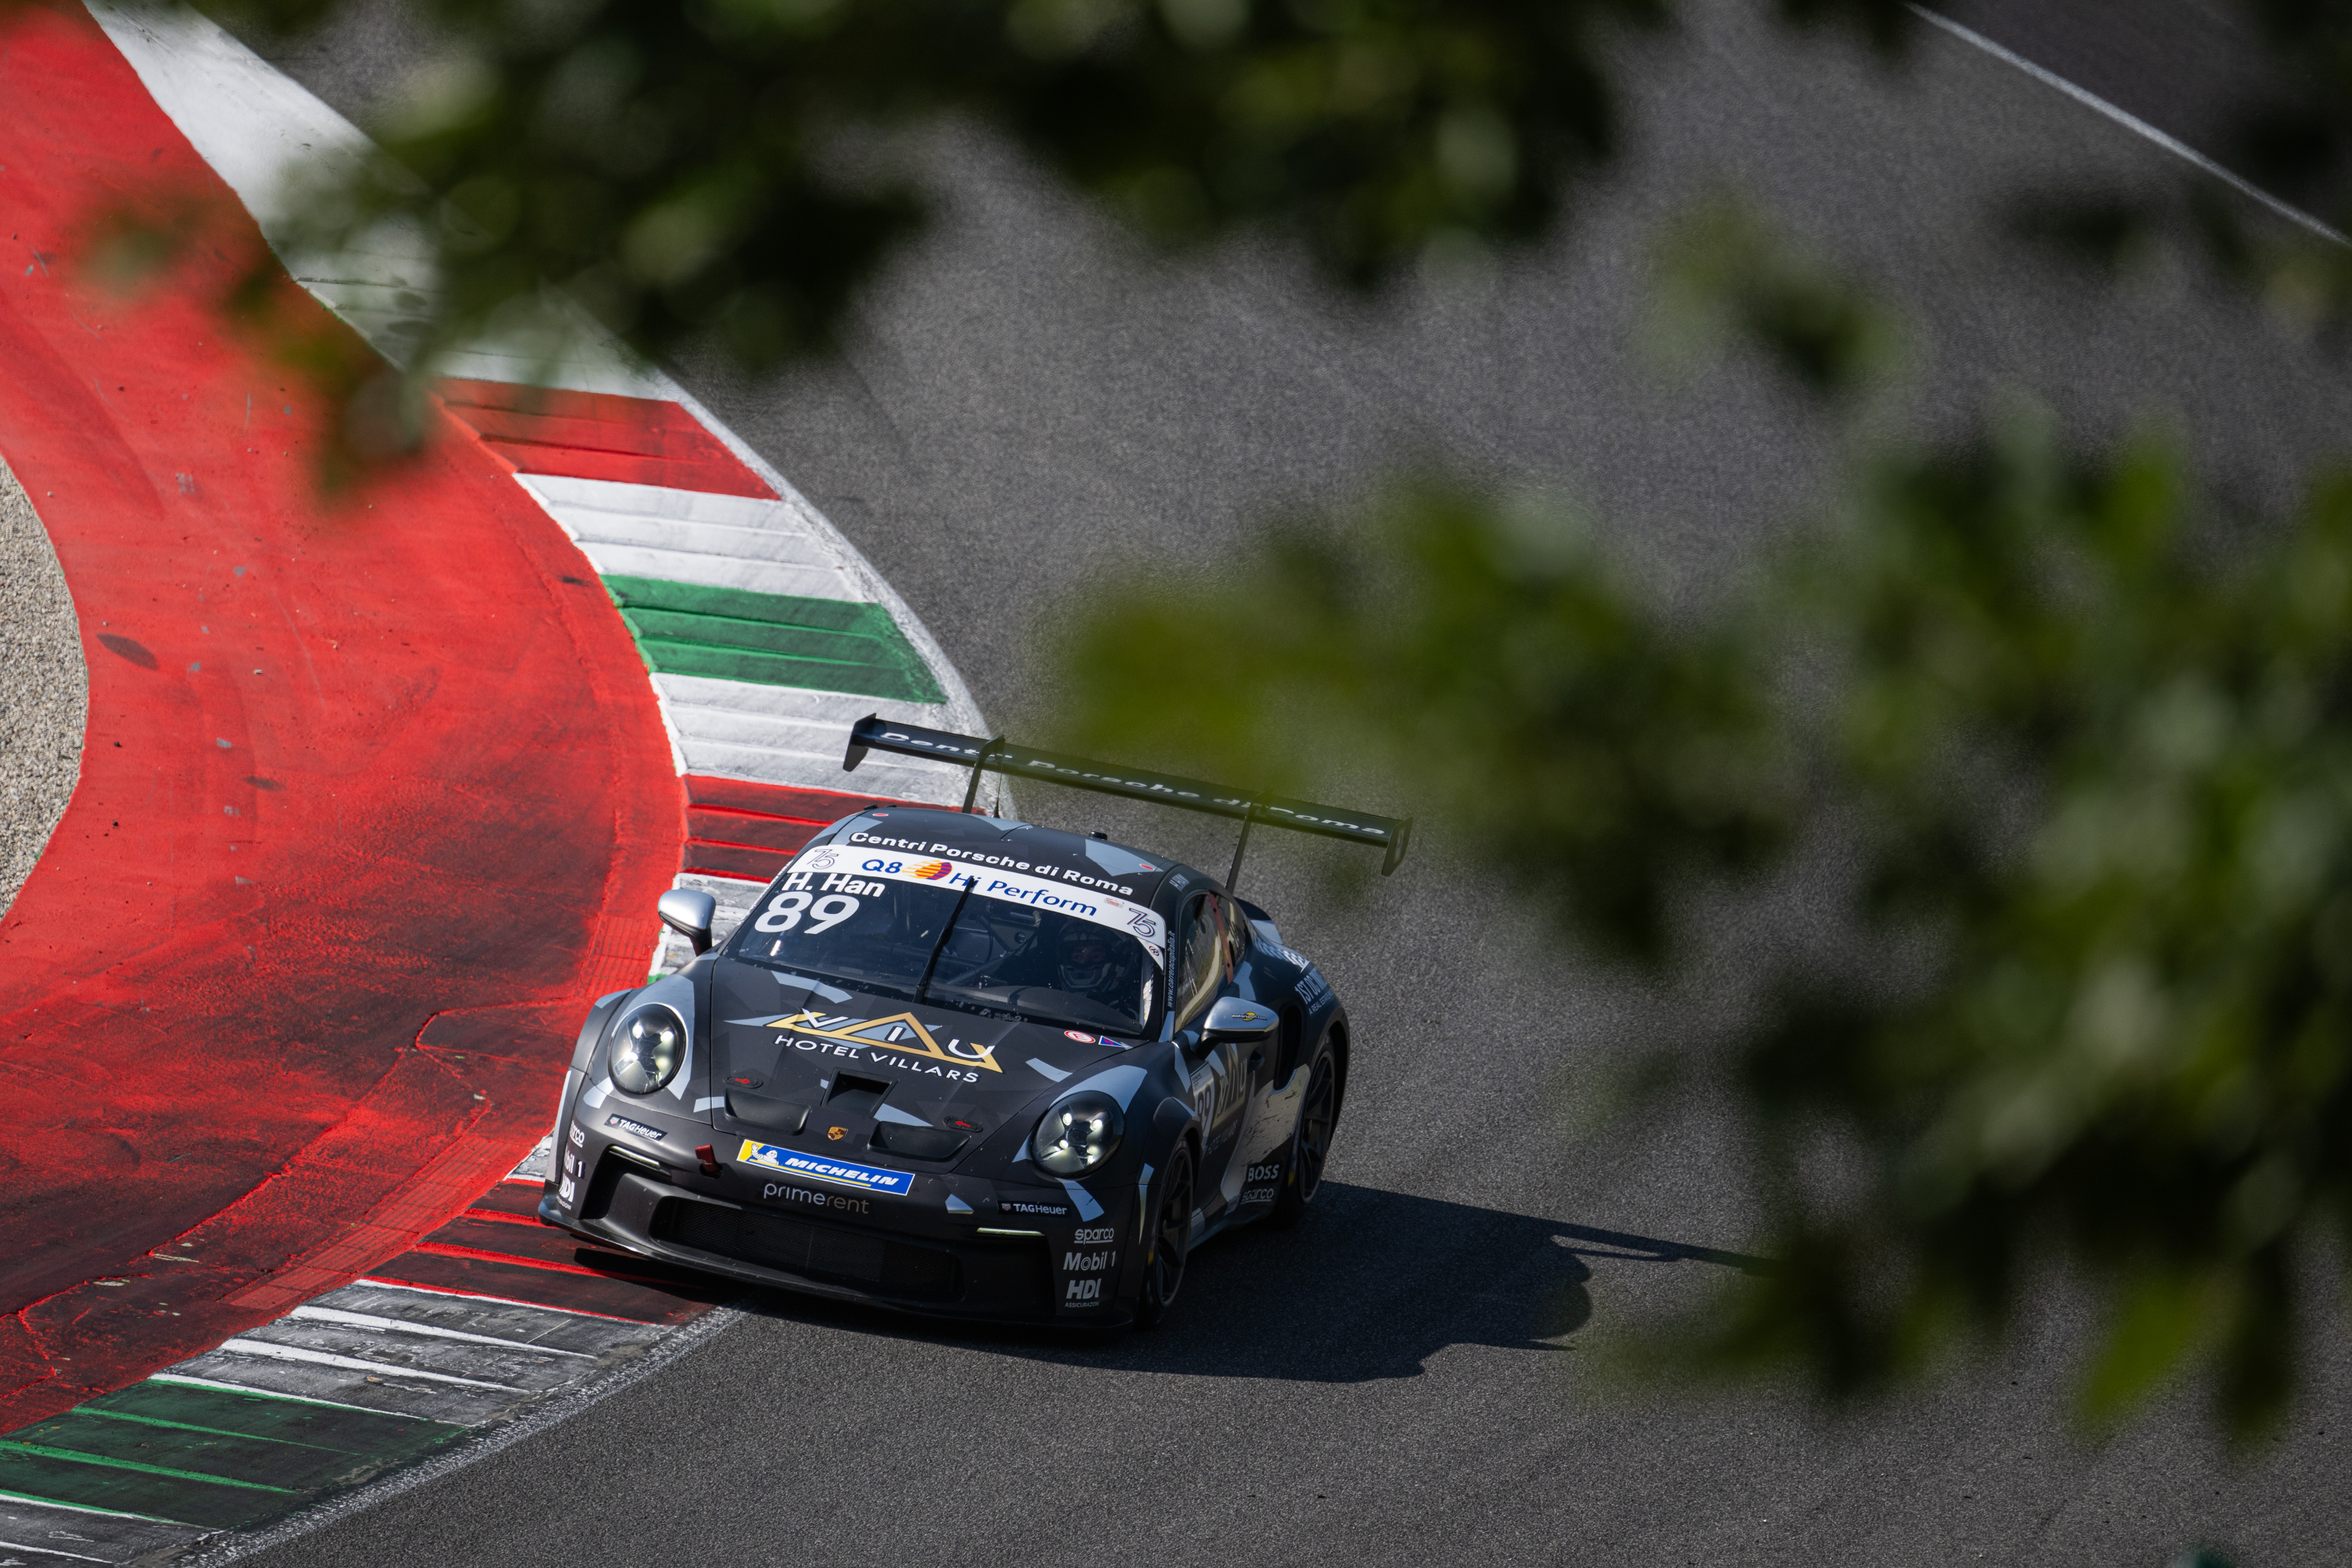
(784, 735)
(821, 769)
(564, 494)
(382, 1389)
(2131, 122)
(9, 1496)
(712, 570)
(214, 1383)
(368, 1320)
(826, 711)
(7, 1545)
(499, 1301)
(512, 1326)
(710, 555)
(269, 138)
(778, 540)
(518, 1367)
(264, 1350)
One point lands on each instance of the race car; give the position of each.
(953, 1063)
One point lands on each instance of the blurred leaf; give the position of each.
(1724, 278)
(1887, 24)
(2096, 1010)
(1478, 646)
(364, 412)
(2105, 230)
(721, 176)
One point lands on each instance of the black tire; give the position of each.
(1169, 1243)
(1310, 1140)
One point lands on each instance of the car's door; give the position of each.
(1266, 1125)
(1228, 1077)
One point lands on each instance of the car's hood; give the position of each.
(787, 1039)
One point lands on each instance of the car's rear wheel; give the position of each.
(1170, 1239)
(1310, 1142)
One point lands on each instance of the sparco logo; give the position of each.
(1087, 1262)
(1099, 1235)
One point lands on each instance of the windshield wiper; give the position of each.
(940, 946)
(1018, 1001)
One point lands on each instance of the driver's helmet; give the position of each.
(1087, 955)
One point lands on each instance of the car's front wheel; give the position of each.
(1170, 1239)
(1310, 1143)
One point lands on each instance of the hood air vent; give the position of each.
(759, 1111)
(857, 1096)
(918, 1143)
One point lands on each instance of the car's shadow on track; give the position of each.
(1369, 1285)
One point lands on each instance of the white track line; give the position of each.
(2131, 122)
(371, 1322)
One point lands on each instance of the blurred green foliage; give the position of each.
(2093, 998)
(719, 174)
(1724, 278)
(2084, 751)
(1482, 655)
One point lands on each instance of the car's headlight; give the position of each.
(648, 1049)
(1078, 1134)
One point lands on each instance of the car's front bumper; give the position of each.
(1005, 1277)
(997, 1266)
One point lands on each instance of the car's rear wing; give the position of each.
(874, 733)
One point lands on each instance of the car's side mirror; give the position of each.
(1238, 1018)
(688, 913)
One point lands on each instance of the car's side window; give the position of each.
(1237, 936)
(1201, 969)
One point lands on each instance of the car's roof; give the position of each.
(1133, 874)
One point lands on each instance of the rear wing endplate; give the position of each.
(874, 733)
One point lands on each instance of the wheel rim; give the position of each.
(1315, 1121)
(1174, 1233)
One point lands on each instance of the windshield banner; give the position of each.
(833, 867)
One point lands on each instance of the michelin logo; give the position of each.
(817, 1168)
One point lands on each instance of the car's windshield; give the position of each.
(968, 936)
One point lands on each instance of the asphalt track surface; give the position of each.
(1414, 1374)
(43, 690)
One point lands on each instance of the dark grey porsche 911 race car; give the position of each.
(952, 1063)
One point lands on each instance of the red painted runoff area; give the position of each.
(376, 796)
(738, 828)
